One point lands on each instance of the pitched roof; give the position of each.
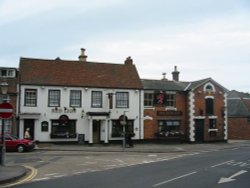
(75, 73)
(164, 85)
(169, 85)
(196, 84)
(237, 94)
(238, 104)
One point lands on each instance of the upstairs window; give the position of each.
(30, 97)
(122, 100)
(148, 99)
(10, 73)
(171, 99)
(96, 99)
(54, 98)
(75, 98)
(209, 88)
(210, 106)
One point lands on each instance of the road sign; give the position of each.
(6, 110)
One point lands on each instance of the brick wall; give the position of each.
(200, 110)
(238, 128)
(151, 126)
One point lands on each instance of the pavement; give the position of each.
(12, 173)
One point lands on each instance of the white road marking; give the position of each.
(51, 174)
(222, 163)
(120, 161)
(225, 180)
(164, 182)
(59, 176)
(81, 172)
(152, 155)
(40, 179)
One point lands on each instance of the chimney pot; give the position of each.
(164, 76)
(82, 57)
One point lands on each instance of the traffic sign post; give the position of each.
(6, 112)
(123, 121)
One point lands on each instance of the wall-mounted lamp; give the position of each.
(82, 115)
(86, 89)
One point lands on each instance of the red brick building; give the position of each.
(10, 76)
(238, 115)
(193, 111)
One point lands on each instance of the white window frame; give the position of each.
(30, 97)
(96, 99)
(122, 99)
(75, 98)
(54, 98)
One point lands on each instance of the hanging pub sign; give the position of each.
(159, 98)
(63, 119)
(123, 120)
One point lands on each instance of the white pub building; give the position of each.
(64, 101)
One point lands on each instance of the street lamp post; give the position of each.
(4, 89)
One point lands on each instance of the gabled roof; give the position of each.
(198, 83)
(79, 74)
(238, 104)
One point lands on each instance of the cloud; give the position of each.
(14, 10)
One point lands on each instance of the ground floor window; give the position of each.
(7, 126)
(117, 128)
(212, 123)
(168, 128)
(63, 129)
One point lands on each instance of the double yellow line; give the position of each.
(31, 174)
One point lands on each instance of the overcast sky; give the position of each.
(203, 38)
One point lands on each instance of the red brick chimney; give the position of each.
(129, 61)
(175, 74)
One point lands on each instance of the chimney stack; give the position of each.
(82, 57)
(129, 61)
(164, 76)
(175, 74)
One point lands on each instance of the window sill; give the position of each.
(63, 136)
(212, 130)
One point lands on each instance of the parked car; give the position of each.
(13, 143)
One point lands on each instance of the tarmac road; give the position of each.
(221, 168)
(54, 161)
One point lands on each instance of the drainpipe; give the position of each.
(140, 115)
